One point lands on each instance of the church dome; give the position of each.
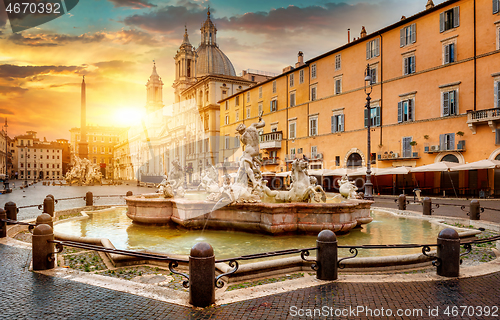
(211, 60)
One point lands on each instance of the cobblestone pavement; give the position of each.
(29, 295)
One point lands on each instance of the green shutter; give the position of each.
(456, 17)
(441, 22)
(400, 111)
(366, 118)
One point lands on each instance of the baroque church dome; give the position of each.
(211, 59)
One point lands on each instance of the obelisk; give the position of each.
(83, 146)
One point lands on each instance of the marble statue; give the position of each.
(165, 189)
(176, 178)
(347, 188)
(209, 181)
(301, 188)
(83, 172)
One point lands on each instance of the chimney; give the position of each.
(429, 5)
(348, 35)
(286, 69)
(362, 34)
(300, 61)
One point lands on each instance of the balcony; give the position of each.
(270, 161)
(460, 147)
(387, 156)
(271, 140)
(488, 116)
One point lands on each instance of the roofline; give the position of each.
(220, 76)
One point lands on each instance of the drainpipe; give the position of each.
(475, 59)
(381, 89)
(286, 120)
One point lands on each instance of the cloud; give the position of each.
(8, 90)
(134, 4)
(136, 36)
(5, 111)
(11, 72)
(51, 40)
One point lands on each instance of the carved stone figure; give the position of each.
(210, 179)
(301, 189)
(347, 188)
(176, 178)
(165, 189)
(83, 172)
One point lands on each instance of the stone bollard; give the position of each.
(12, 210)
(448, 252)
(202, 275)
(129, 193)
(44, 218)
(326, 258)
(427, 204)
(42, 249)
(89, 199)
(474, 209)
(48, 206)
(402, 202)
(3, 225)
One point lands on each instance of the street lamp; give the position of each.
(26, 166)
(6, 181)
(368, 90)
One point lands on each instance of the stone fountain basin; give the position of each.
(270, 218)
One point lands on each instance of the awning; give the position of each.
(481, 164)
(268, 173)
(436, 167)
(396, 170)
(283, 174)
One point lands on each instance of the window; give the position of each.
(292, 99)
(291, 80)
(237, 141)
(313, 93)
(274, 105)
(248, 113)
(313, 126)
(374, 116)
(406, 147)
(248, 96)
(301, 76)
(226, 142)
(409, 65)
(253, 78)
(447, 142)
(408, 35)
(274, 86)
(338, 85)
(372, 49)
(260, 108)
(406, 110)
(497, 94)
(292, 153)
(450, 103)
(498, 35)
(95, 140)
(314, 151)
(226, 104)
(337, 123)
(313, 71)
(497, 139)
(496, 6)
(226, 121)
(373, 74)
(449, 19)
(237, 101)
(237, 115)
(260, 92)
(449, 51)
(338, 61)
(292, 130)
(337, 161)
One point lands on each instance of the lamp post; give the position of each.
(26, 166)
(6, 181)
(368, 90)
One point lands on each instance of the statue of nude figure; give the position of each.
(249, 137)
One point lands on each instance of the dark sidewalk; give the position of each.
(28, 295)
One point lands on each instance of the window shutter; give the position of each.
(377, 47)
(402, 37)
(451, 57)
(451, 139)
(442, 142)
(447, 54)
(400, 111)
(455, 96)
(333, 124)
(497, 136)
(275, 105)
(410, 110)
(366, 118)
(405, 71)
(406, 146)
(412, 65)
(441, 22)
(498, 94)
(377, 119)
(342, 123)
(368, 50)
(413, 36)
(412, 101)
(496, 5)
(446, 101)
(456, 17)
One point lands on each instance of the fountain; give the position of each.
(83, 172)
(249, 204)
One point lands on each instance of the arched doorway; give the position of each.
(450, 179)
(354, 161)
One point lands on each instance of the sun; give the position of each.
(129, 116)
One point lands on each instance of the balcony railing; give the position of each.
(460, 147)
(271, 140)
(398, 156)
(268, 161)
(489, 116)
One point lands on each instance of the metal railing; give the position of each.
(483, 115)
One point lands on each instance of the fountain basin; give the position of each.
(269, 218)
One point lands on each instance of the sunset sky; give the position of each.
(113, 43)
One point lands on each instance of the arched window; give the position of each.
(354, 160)
(497, 157)
(450, 158)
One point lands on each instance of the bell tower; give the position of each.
(185, 66)
(154, 89)
(208, 32)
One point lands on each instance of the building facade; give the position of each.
(435, 90)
